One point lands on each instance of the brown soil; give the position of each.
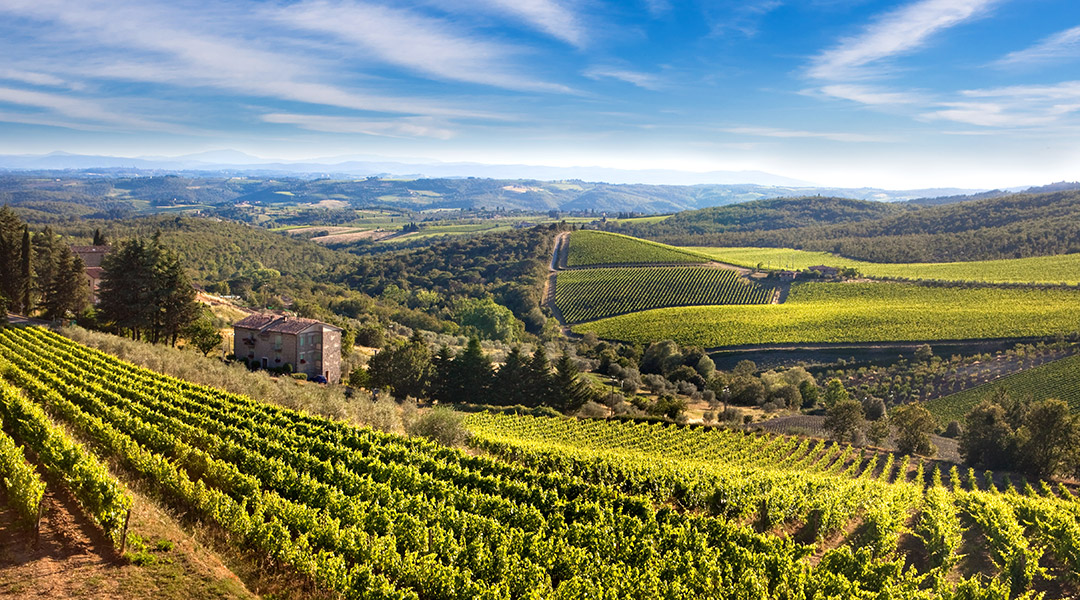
(73, 558)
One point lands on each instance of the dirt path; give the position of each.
(74, 558)
(558, 261)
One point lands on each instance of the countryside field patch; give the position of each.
(601, 248)
(588, 294)
(1063, 268)
(856, 312)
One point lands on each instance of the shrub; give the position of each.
(443, 425)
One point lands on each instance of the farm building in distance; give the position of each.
(92, 256)
(280, 342)
(825, 270)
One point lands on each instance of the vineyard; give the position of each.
(588, 294)
(856, 312)
(892, 510)
(1059, 379)
(1053, 270)
(589, 248)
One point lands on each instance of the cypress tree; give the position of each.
(537, 379)
(569, 391)
(26, 273)
(472, 375)
(442, 375)
(509, 386)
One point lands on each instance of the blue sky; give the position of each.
(972, 93)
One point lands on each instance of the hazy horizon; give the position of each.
(968, 94)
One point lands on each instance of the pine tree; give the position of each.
(10, 258)
(126, 296)
(472, 375)
(68, 291)
(509, 387)
(569, 391)
(442, 373)
(175, 297)
(537, 379)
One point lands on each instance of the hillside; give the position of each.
(856, 312)
(1013, 226)
(546, 507)
(1058, 379)
(591, 248)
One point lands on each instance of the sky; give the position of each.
(960, 93)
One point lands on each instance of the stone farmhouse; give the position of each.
(275, 342)
(92, 257)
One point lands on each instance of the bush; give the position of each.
(300, 376)
(443, 425)
(953, 430)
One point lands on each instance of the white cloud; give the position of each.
(794, 133)
(642, 80)
(1060, 46)
(33, 78)
(548, 16)
(75, 108)
(138, 41)
(419, 43)
(1014, 106)
(871, 95)
(406, 127)
(898, 32)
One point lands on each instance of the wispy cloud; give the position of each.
(795, 133)
(137, 41)
(405, 127)
(895, 33)
(425, 45)
(871, 95)
(548, 16)
(1062, 45)
(642, 80)
(34, 78)
(1013, 106)
(78, 109)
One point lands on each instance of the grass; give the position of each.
(1039, 269)
(1059, 379)
(589, 294)
(601, 248)
(856, 312)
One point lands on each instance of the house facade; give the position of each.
(274, 341)
(92, 256)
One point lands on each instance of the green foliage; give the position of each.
(403, 368)
(835, 392)
(1051, 270)
(588, 294)
(20, 481)
(488, 319)
(600, 248)
(100, 494)
(202, 334)
(442, 425)
(913, 425)
(855, 312)
(1053, 380)
(843, 419)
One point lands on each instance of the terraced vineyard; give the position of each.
(1059, 379)
(588, 248)
(809, 489)
(588, 294)
(1063, 269)
(856, 312)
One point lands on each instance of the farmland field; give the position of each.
(856, 312)
(1039, 269)
(1059, 379)
(588, 294)
(551, 508)
(599, 248)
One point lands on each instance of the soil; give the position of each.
(73, 558)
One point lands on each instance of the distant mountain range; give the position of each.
(235, 162)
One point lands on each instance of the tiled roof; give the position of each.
(278, 324)
(95, 272)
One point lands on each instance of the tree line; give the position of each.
(409, 369)
(39, 274)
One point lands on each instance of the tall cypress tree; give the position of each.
(10, 258)
(26, 273)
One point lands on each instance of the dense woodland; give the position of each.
(1012, 226)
